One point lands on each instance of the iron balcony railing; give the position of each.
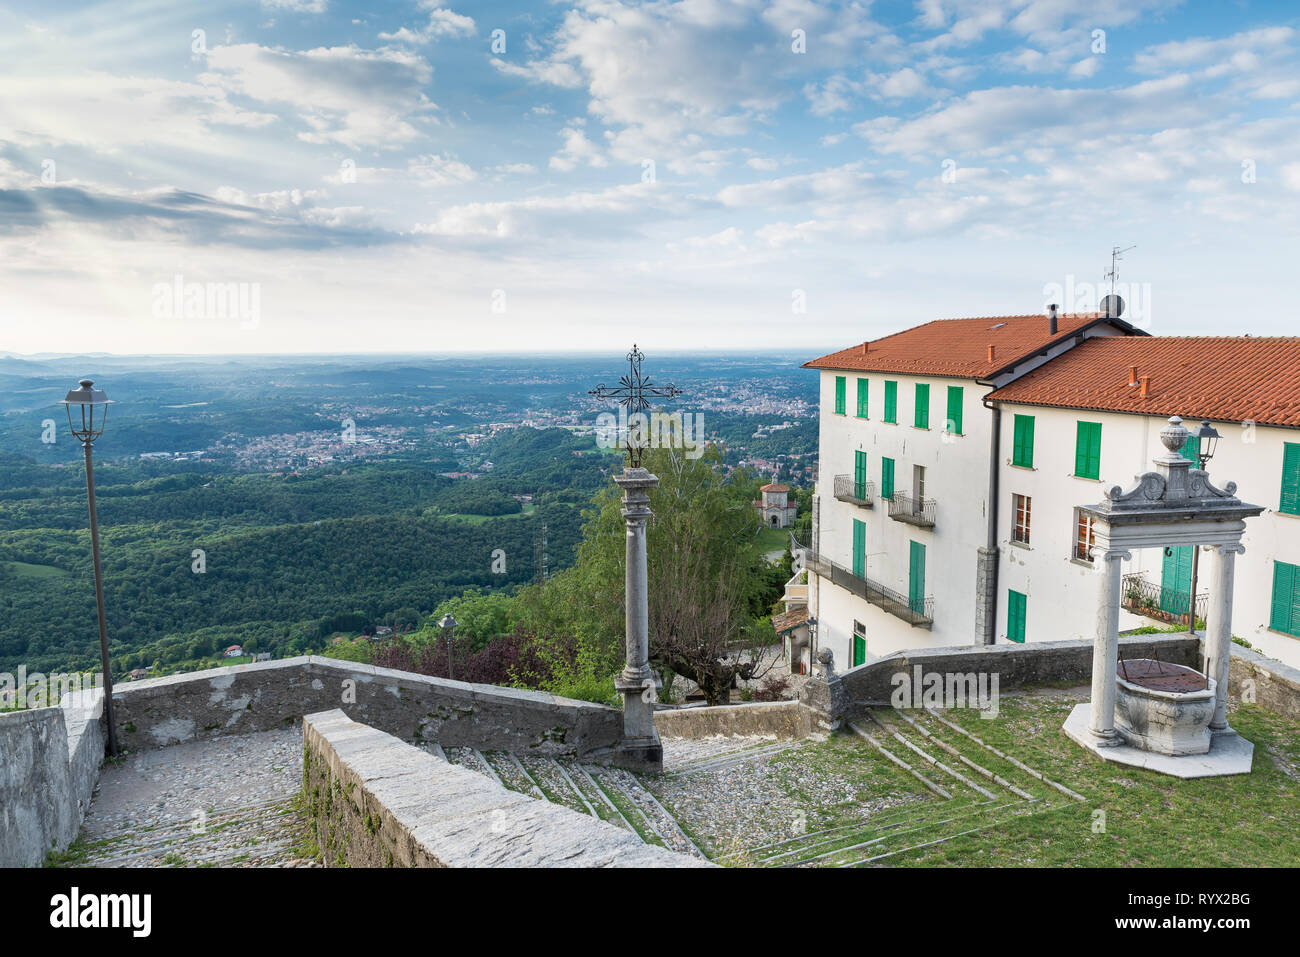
(1146, 598)
(854, 492)
(915, 611)
(904, 507)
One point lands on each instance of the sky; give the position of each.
(326, 176)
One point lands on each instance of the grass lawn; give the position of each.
(1150, 820)
(773, 539)
(28, 570)
(528, 509)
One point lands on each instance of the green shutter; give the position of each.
(839, 395)
(860, 475)
(922, 417)
(1017, 604)
(916, 578)
(1087, 450)
(891, 401)
(859, 548)
(1191, 449)
(862, 398)
(954, 409)
(1022, 450)
(1176, 579)
(1285, 616)
(886, 478)
(859, 650)
(1290, 478)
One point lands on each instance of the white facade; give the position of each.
(1061, 590)
(955, 477)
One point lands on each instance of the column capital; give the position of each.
(1112, 554)
(1232, 548)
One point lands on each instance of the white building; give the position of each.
(774, 508)
(915, 540)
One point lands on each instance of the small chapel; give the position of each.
(775, 510)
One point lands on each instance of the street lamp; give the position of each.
(92, 405)
(1207, 438)
(448, 625)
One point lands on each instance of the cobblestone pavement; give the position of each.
(225, 801)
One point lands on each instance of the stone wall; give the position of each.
(785, 719)
(49, 763)
(158, 712)
(1033, 663)
(375, 801)
(1275, 686)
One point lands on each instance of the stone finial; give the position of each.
(1174, 435)
(827, 659)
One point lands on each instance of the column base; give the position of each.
(640, 754)
(1105, 739)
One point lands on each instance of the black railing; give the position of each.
(1146, 598)
(915, 611)
(847, 489)
(904, 507)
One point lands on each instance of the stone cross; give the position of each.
(637, 682)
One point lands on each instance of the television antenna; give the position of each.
(1116, 254)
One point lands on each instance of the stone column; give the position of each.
(1218, 630)
(1105, 647)
(637, 682)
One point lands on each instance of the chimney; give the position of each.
(1146, 386)
(1051, 318)
(1132, 375)
(992, 350)
(864, 348)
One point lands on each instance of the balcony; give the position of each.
(918, 612)
(862, 494)
(1150, 600)
(904, 507)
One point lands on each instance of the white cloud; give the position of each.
(442, 22)
(576, 151)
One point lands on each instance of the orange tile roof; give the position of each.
(1223, 378)
(959, 347)
(775, 487)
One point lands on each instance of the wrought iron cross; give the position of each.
(634, 393)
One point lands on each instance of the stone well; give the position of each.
(1165, 708)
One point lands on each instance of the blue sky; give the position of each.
(699, 174)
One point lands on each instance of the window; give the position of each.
(1290, 478)
(1087, 450)
(886, 478)
(1285, 614)
(1191, 449)
(1020, 509)
(862, 398)
(1085, 536)
(922, 417)
(839, 395)
(1016, 604)
(954, 409)
(918, 485)
(916, 578)
(891, 401)
(859, 644)
(860, 475)
(859, 548)
(1022, 445)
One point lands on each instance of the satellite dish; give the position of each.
(1112, 306)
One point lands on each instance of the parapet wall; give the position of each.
(49, 763)
(784, 719)
(1033, 663)
(375, 801)
(158, 712)
(1272, 684)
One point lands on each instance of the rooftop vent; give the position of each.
(1051, 318)
(992, 350)
(1146, 386)
(1132, 375)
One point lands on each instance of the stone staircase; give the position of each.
(975, 787)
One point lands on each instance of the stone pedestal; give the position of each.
(637, 683)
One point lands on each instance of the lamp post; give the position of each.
(1207, 438)
(448, 625)
(86, 429)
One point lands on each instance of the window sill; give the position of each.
(1023, 545)
(1086, 478)
(1288, 515)
(1284, 634)
(1023, 468)
(921, 428)
(888, 422)
(1082, 563)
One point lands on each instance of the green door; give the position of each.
(916, 579)
(1176, 580)
(859, 650)
(860, 475)
(859, 548)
